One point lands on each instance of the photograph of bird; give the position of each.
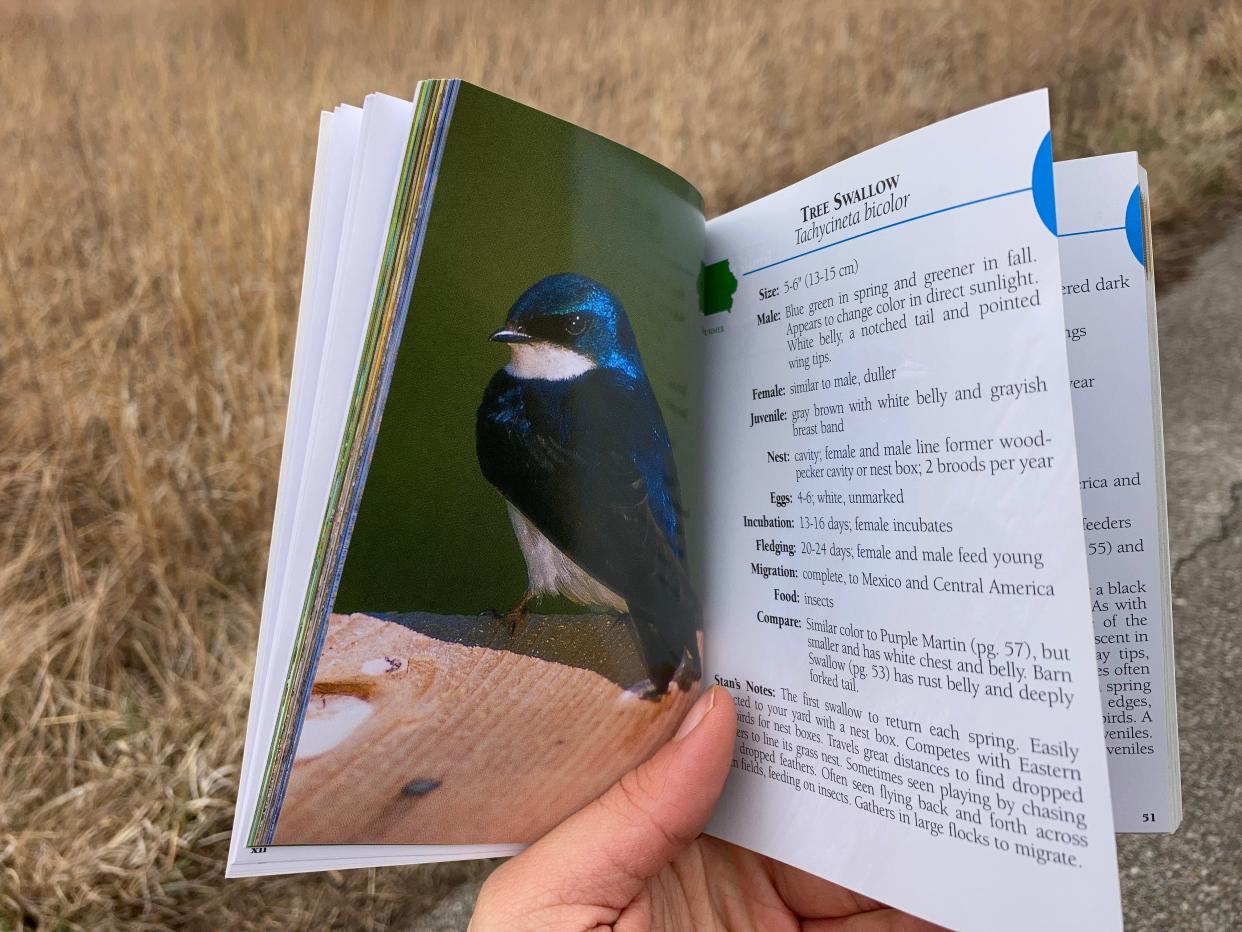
(571, 434)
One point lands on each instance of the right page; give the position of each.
(1110, 332)
(897, 587)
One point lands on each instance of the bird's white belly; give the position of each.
(551, 572)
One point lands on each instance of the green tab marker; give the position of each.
(716, 287)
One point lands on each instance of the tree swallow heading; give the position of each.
(571, 434)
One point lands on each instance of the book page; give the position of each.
(336, 152)
(1110, 331)
(346, 288)
(330, 330)
(897, 589)
(469, 686)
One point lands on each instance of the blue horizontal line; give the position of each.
(1085, 232)
(887, 226)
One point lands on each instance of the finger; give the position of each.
(877, 920)
(603, 855)
(830, 907)
(813, 897)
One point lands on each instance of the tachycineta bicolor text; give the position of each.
(571, 434)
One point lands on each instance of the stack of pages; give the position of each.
(880, 452)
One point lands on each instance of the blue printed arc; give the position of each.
(1043, 191)
(1041, 188)
(1134, 226)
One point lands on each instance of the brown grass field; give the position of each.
(156, 161)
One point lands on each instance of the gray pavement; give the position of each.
(1191, 880)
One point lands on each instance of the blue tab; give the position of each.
(1134, 226)
(1043, 192)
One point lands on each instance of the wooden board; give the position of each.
(471, 736)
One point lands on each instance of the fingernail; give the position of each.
(696, 714)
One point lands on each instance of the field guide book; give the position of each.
(880, 452)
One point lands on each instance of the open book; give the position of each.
(880, 452)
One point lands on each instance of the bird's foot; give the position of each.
(648, 690)
(517, 617)
(656, 687)
(688, 672)
(656, 684)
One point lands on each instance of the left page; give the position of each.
(898, 588)
(483, 666)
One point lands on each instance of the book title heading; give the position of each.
(845, 209)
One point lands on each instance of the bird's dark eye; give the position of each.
(575, 324)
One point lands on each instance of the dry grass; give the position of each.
(156, 163)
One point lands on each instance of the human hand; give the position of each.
(635, 859)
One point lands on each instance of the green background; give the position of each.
(520, 195)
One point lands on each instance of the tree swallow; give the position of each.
(571, 435)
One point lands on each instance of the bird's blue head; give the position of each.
(565, 325)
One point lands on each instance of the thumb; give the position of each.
(598, 860)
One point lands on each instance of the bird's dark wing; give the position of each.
(588, 462)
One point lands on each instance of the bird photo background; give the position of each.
(584, 240)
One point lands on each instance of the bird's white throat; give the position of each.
(542, 360)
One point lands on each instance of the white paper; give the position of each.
(338, 142)
(1111, 339)
(943, 202)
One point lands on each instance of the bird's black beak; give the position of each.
(505, 335)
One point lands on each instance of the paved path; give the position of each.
(1193, 879)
